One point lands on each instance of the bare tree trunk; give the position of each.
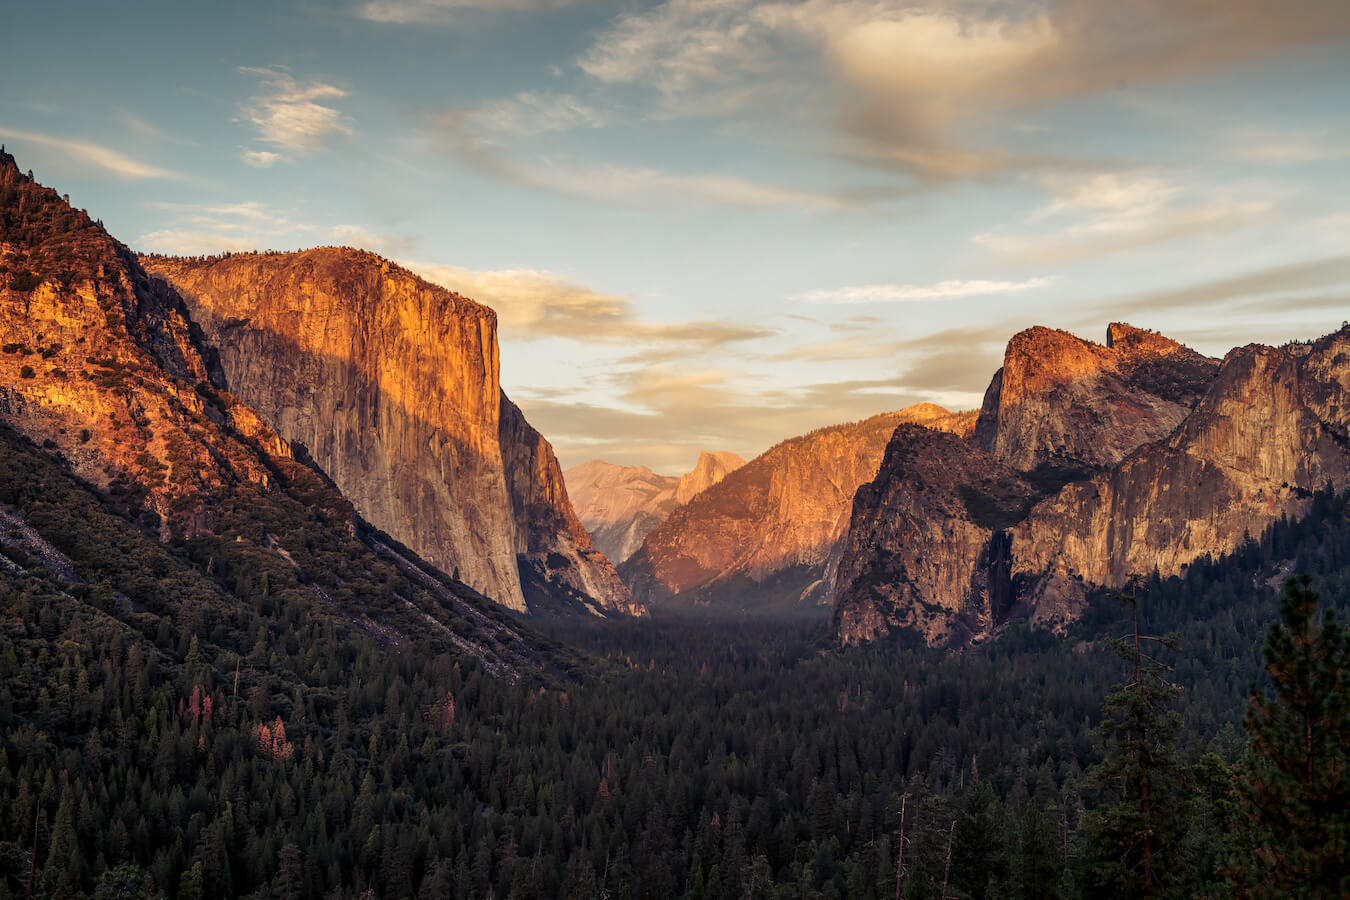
(32, 862)
(900, 852)
(947, 870)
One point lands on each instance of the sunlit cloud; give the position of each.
(260, 159)
(908, 78)
(87, 154)
(942, 290)
(288, 113)
(531, 305)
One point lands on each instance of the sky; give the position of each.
(716, 224)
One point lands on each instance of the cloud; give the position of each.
(1257, 286)
(942, 290)
(192, 229)
(288, 113)
(88, 154)
(260, 159)
(1113, 212)
(363, 238)
(530, 113)
(453, 132)
(531, 305)
(910, 78)
(442, 12)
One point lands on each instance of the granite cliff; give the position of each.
(768, 534)
(1060, 400)
(1087, 464)
(391, 384)
(104, 375)
(620, 505)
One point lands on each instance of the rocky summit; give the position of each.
(620, 505)
(392, 386)
(1090, 464)
(768, 535)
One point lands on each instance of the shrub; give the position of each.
(27, 372)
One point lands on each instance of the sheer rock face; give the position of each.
(554, 551)
(1271, 426)
(924, 549)
(1062, 400)
(769, 533)
(621, 505)
(392, 385)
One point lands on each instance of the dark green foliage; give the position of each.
(1136, 833)
(1296, 789)
(681, 759)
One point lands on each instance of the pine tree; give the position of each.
(1136, 835)
(1297, 790)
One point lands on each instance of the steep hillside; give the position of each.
(620, 505)
(767, 534)
(127, 469)
(392, 386)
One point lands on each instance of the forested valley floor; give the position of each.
(173, 727)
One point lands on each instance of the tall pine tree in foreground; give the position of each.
(1297, 789)
(1136, 834)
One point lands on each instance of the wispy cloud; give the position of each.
(908, 78)
(531, 305)
(1328, 279)
(192, 229)
(454, 132)
(363, 238)
(536, 112)
(1113, 212)
(288, 113)
(942, 290)
(442, 12)
(90, 155)
(260, 159)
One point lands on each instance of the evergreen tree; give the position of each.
(1298, 782)
(1136, 834)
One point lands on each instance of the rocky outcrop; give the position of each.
(621, 505)
(103, 367)
(1060, 401)
(768, 534)
(391, 384)
(1273, 428)
(710, 469)
(925, 548)
(1068, 485)
(554, 552)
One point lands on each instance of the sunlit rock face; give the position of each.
(102, 366)
(710, 469)
(1061, 399)
(1078, 480)
(620, 505)
(1273, 427)
(392, 386)
(767, 536)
